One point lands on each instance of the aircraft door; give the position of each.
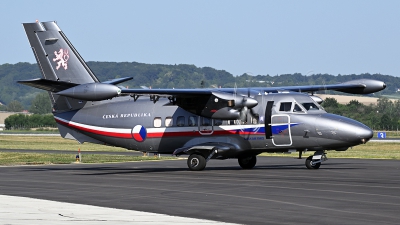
(268, 114)
(206, 126)
(280, 127)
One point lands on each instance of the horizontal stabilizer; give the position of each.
(117, 81)
(48, 85)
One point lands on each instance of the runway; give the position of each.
(277, 191)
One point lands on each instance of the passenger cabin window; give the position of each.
(205, 121)
(298, 109)
(180, 121)
(192, 121)
(168, 121)
(285, 106)
(157, 122)
(310, 106)
(217, 122)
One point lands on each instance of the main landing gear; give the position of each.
(247, 162)
(314, 161)
(197, 162)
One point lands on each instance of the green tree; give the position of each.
(41, 104)
(384, 104)
(354, 103)
(386, 122)
(15, 106)
(330, 102)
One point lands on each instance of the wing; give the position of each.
(362, 86)
(226, 103)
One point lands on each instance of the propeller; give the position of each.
(247, 104)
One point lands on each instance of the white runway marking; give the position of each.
(22, 210)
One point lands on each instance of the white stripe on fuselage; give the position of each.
(160, 129)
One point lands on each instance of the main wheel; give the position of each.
(311, 166)
(247, 162)
(196, 162)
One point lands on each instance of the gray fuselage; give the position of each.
(290, 122)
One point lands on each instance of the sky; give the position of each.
(253, 37)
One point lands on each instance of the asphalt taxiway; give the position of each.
(277, 191)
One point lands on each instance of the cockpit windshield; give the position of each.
(310, 106)
(297, 109)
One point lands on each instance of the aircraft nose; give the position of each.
(343, 129)
(364, 133)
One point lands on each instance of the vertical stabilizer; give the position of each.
(56, 56)
(58, 60)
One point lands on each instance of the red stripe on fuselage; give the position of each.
(157, 134)
(104, 133)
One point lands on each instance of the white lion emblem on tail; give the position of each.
(62, 57)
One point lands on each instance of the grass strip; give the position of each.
(371, 150)
(17, 158)
(50, 143)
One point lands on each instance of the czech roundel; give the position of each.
(139, 133)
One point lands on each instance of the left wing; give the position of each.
(361, 86)
(226, 103)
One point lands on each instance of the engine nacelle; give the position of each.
(92, 92)
(218, 105)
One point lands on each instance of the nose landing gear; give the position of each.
(314, 162)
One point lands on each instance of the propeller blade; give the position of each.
(243, 114)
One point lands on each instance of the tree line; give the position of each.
(385, 115)
(26, 122)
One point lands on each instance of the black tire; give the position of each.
(196, 162)
(247, 162)
(308, 163)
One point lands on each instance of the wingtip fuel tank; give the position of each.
(369, 86)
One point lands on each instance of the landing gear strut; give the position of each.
(247, 162)
(314, 162)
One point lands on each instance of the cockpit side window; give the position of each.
(297, 109)
(310, 106)
(285, 106)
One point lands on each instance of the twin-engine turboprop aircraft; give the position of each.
(202, 123)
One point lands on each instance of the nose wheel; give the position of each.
(314, 162)
(310, 164)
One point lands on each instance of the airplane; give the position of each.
(204, 124)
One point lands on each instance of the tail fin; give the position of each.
(58, 61)
(57, 58)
